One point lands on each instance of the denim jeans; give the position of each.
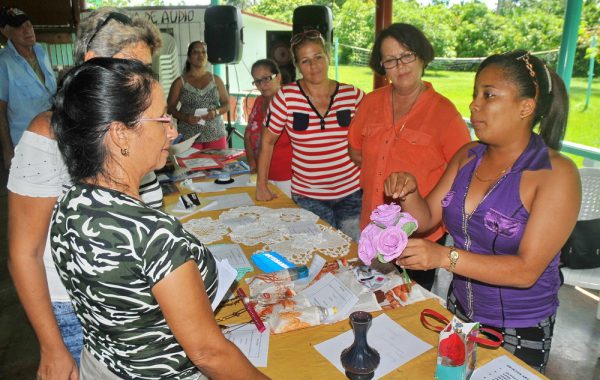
(70, 328)
(342, 213)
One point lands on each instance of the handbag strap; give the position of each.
(428, 313)
(486, 341)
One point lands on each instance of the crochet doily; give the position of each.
(288, 216)
(250, 212)
(257, 233)
(207, 230)
(300, 248)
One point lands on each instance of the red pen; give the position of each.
(250, 309)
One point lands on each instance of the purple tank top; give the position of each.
(496, 228)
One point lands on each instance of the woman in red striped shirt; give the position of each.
(316, 112)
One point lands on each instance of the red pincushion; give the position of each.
(453, 348)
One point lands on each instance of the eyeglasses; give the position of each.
(405, 58)
(302, 36)
(264, 80)
(120, 17)
(166, 118)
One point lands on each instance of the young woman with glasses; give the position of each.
(267, 79)
(316, 112)
(39, 176)
(199, 88)
(406, 125)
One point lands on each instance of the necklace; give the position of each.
(404, 116)
(493, 178)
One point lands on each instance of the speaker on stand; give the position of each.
(223, 34)
(319, 17)
(278, 49)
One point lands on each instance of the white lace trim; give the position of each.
(254, 225)
(207, 230)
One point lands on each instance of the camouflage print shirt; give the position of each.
(110, 250)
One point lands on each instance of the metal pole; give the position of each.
(336, 57)
(590, 73)
(217, 69)
(568, 42)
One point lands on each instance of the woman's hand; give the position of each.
(422, 254)
(399, 185)
(192, 120)
(211, 115)
(264, 194)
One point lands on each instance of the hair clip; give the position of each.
(549, 78)
(529, 67)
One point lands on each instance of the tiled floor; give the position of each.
(575, 350)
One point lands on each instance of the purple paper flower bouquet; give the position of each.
(386, 236)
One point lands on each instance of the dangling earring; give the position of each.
(125, 152)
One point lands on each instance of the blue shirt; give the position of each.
(22, 89)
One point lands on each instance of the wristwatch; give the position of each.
(453, 256)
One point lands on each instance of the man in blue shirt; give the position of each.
(27, 82)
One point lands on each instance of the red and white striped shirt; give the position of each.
(321, 166)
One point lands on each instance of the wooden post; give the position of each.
(383, 19)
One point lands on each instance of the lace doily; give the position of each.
(300, 248)
(245, 212)
(207, 230)
(288, 216)
(256, 233)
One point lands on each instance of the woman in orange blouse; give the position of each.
(404, 126)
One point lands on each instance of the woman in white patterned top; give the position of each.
(197, 89)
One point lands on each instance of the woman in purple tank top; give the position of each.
(509, 200)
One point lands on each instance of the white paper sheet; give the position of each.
(227, 275)
(395, 345)
(503, 368)
(222, 202)
(199, 112)
(253, 344)
(184, 148)
(233, 253)
(331, 292)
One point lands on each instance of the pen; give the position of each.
(250, 309)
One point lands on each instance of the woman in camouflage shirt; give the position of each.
(140, 284)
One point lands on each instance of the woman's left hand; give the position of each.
(211, 115)
(422, 254)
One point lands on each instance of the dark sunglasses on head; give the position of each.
(120, 17)
(303, 36)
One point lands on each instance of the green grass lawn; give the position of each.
(583, 126)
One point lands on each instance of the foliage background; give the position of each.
(469, 29)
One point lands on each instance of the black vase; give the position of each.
(360, 360)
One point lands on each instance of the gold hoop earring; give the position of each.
(125, 152)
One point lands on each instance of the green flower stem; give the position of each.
(406, 280)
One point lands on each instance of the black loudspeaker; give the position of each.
(223, 34)
(278, 49)
(317, 17)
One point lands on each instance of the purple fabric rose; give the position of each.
(366, 243)
(386, 215)
(390, 243)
